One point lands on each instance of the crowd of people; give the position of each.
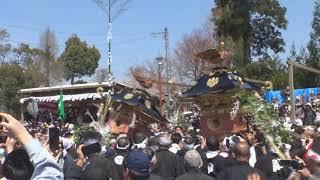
(307, 112)
(159, 153)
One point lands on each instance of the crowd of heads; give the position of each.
(163, 152)
(166, 154)
(307, 112)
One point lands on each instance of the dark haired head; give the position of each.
(260, 138)
(297, 129)
(299, 152)
(153, 141)
(17, 166)
(91, 137)
(178, 127)
(176, 138)
(139, 137)
(188, 143)
(235, 139)
(213, 144)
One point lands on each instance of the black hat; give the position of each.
(97, 168)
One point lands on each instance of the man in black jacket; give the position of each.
(167, 164)
(139, 140)
(193, 163)
(121, 151)
(215, 161)
(90, 165)
(241, 168)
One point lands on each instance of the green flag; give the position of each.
(61, 106)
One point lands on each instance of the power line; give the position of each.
(128, 41)
(38, 29)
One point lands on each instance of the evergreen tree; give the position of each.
(314, 47)
(257, 24)
(79, 59)
(267, 69)
(300, 75)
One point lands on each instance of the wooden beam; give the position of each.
(291, 83)
(303, 67)
(292, 99)
(256, 81)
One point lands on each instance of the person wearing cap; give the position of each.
(300, 114)
(312, 98)
(121, 151)
(193, 163)
(309, 115)
(167, 163)
(285, 110)
(137, 166)
(67, 158)
(275, 103)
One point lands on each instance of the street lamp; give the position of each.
(160, 65)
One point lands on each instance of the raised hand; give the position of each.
(14, 129)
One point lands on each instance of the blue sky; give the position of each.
(132, 42)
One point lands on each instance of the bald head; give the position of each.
(193, 159)
(242, 151)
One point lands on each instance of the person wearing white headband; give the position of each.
(140, 141)
(121, 151)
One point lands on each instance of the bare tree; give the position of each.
(113, 7)
(187, 68)
(4, 48)
(51, 67)
(144, 76)
(3, 34)
(4, 51)
(101, 75)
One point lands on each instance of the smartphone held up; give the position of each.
(54, 138)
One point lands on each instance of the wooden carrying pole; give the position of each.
(292, 99)
(291, 83)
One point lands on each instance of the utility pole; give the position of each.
(110, 77)
(113, 9)
(109, 41)
(292, 99)
(160, 63)
(166, 40)
(165, 35)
